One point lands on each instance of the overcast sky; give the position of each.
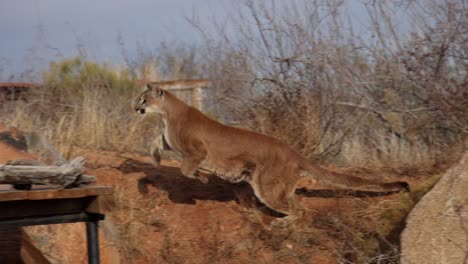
(51, 29)
(54, 28)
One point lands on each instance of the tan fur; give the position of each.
(270, 166)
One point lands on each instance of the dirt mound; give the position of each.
(160, 216)
(163, 217)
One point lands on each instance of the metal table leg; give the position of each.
(93, 242)
(93, 238)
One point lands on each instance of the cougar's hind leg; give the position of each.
(190, 164)
(279, 195)
(295, 210)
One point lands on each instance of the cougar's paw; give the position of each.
(203, 179)
(199, 176)
(156, 164)
(285, 221)
(156, 160)
(280, 223)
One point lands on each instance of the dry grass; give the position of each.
(303, 75)
(83, 104)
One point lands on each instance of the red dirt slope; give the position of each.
(162, 217)
(159, 216)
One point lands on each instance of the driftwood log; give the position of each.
(24, 173)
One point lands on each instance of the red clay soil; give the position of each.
(159, 216)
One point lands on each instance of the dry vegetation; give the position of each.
(381, 99)
(82, 104)
(370, 231)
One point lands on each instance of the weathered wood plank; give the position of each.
(67, 175)
(15, 203)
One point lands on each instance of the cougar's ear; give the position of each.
(157, 91)
(160, 91)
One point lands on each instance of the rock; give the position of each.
(437, 228)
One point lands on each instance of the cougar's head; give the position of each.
(150, 101)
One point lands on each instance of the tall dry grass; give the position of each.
(83, 104)
(302, 72)
(89, 105)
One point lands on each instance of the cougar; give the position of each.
(270, 166)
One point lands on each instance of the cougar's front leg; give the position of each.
(189, 168)
(156, 150)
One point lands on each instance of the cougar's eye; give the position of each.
(143, 101)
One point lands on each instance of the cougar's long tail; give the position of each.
(348, 181)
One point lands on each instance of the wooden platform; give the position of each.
(48, 201)
(7, 193)
(48, 205)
